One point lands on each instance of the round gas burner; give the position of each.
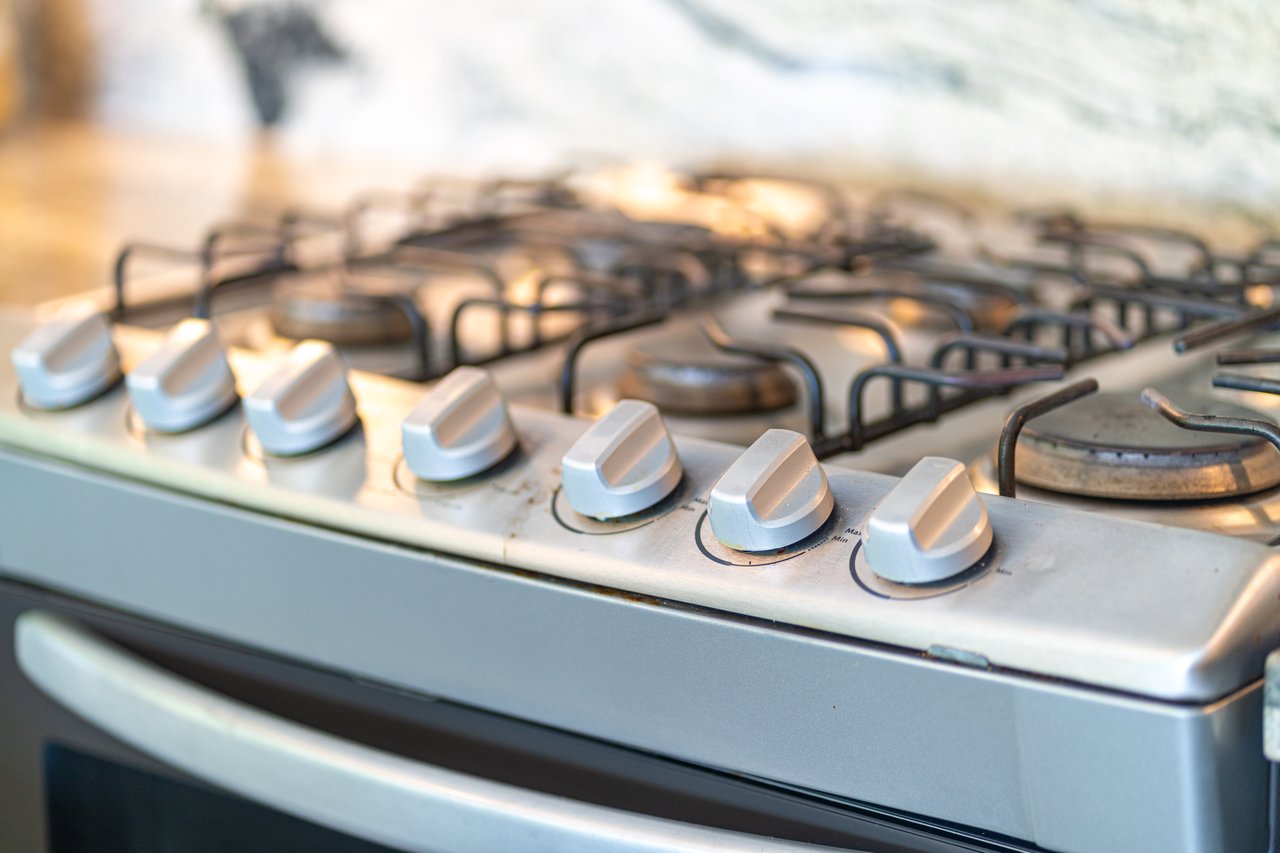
(319, 309)
(913, 302)
(920, 303)
(1113, 446)
(991, 307)
(691, 377)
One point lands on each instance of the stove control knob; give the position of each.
(625, 463)
(186, 382)
(773, 496)
(304, 403)
(459, 429)
(931, 527)
(68, 360)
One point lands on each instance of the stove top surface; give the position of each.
(873, 334)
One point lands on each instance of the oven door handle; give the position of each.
(368, 793)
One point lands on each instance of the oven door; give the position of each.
(140, 738)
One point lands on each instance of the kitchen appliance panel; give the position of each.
(822, 713)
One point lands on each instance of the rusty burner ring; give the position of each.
(1120, 447)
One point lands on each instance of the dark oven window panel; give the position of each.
(146, 806)
(95, 804)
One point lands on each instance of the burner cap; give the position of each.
(320, 310)
(1113, 446)
(691, 377)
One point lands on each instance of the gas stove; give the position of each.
(945, 517)
(737, 304)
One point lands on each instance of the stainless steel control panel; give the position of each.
(1157, 611)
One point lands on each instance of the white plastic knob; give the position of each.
(625, 463)
(186, 382)
(459, 429)
(304, 403)
(773, 496)
(931, 527)
(68, 360)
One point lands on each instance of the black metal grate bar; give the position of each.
(1210, 423)
(1249, 322)
(1006, 454)
(587, 335)
(780, 355)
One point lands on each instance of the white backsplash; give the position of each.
(1154, 105)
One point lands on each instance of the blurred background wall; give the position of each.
(1171, 101)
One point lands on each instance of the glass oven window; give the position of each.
(98, 805)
